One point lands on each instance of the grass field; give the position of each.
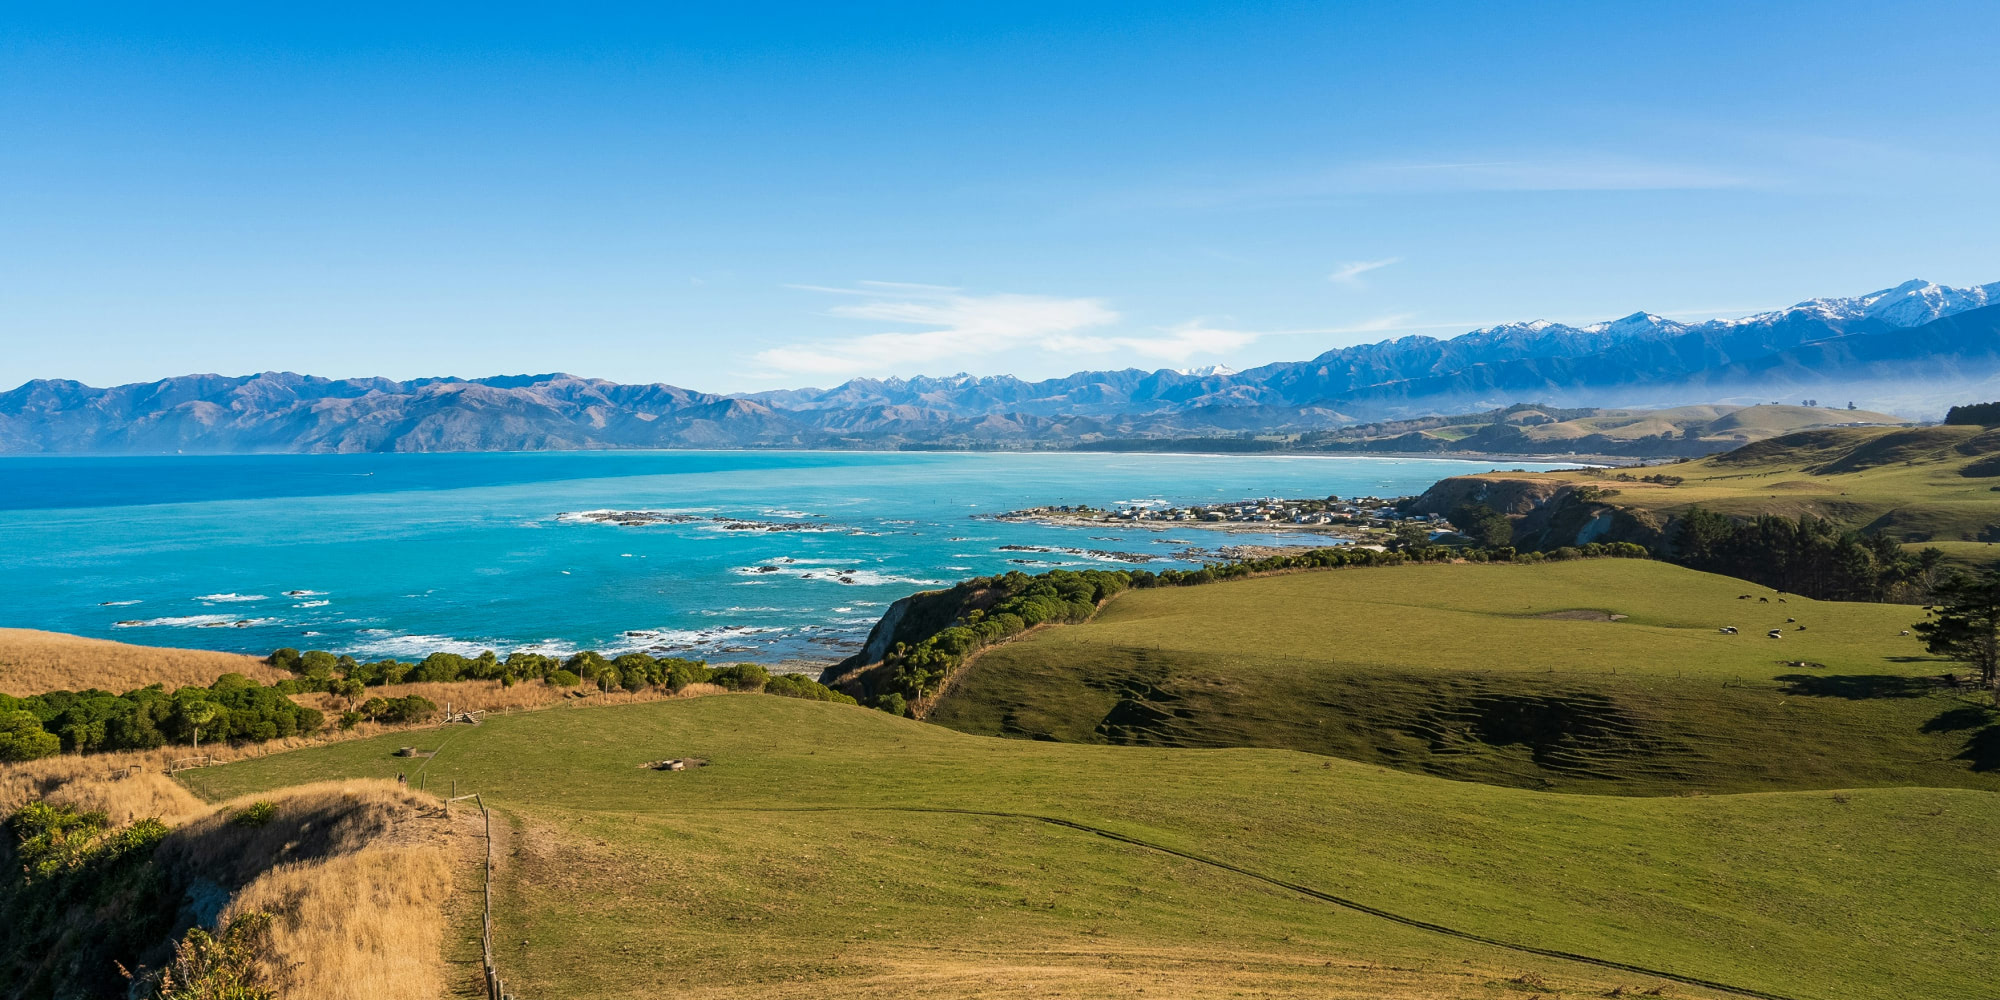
(32, 662)
(1508, 674)
(1918, 484)
(812, 858)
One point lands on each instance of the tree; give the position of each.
(1966, 624)
(22, 737)
(199, 713)
(1411, 534)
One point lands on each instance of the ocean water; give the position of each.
(403, 555)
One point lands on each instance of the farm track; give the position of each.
(1307, 891)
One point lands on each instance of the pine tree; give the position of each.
(1966, 624)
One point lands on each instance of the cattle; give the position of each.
(1727, 630)
(1776, 633)
(1906, 631)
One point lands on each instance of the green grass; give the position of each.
(1454, 670)
(807, 861)
(1910, 484)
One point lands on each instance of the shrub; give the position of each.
(741, 677)
(256, 814)
(564, 678)
(801, 686)
(893, 703)
(23, 738)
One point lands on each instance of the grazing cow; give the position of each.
(1788, 621)
(1782, 600)
(1743, 597)
(1727, 630)
(1776, 633)
(1764, 600)
(1906, 631)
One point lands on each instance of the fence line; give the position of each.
(496, 988)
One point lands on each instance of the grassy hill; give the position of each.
(1506, 674)
(836, 851)
(1915, 485)
(32, 662)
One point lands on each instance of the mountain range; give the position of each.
(1912, 349)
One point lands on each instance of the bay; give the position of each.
(403, 555)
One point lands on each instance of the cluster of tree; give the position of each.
(1806, 556)
(318, 670)
(1486, 527)
(997, 607)
(1978, 414)
(233, 708)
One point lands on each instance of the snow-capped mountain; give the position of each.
(1911, 303)
(1912, 348)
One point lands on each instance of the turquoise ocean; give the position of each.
(403, 555)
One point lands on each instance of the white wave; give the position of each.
(183, 621)
(118, 604)
(312, 604)
(417, 646)
(229, 598)
(305, 593)
(867, 578)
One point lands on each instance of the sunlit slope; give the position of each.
(807, 860)
(1915, 484)
(1510, 674)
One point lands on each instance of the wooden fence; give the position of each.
(496, 988)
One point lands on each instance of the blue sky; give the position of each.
(791, 195)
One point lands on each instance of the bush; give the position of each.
(893, 703)
(23, 738)
(563, 678)
(741, 677)
(256, 814)
(801, 686)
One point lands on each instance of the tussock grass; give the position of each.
(32, 662)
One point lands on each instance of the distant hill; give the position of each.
(1537, 429)
(1913, 347)
(1931, 485)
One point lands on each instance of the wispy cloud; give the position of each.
(1542, 172)
(1350, 273)
(952, 324)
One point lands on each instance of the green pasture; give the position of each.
(1508, 674)
(811, 859)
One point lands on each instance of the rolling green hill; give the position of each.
(1915, 485)
(835, 851)
(1506, 674)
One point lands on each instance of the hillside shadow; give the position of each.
(1982, 748)
(1858, 687)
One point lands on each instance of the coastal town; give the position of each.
(1334, 515)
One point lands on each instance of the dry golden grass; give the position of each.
(360, 925)
(32, 662)
(354, 875)
(491, 696)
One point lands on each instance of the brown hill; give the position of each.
(32, 662)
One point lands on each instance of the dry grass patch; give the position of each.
(32, 662)
(361, 925)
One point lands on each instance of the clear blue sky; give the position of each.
(789, 195)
